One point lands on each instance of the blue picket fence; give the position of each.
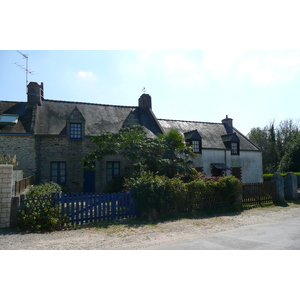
(87, 208)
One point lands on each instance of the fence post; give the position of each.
(278, 179)
(290, 187)
(15, 205)
(238, 201)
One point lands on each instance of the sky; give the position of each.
(252, 87)
(108, 51)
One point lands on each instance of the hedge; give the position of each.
(158, 196)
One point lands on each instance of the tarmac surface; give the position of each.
(281, 235)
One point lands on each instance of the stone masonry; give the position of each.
(6, 180)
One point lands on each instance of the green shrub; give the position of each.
(46, 188)
(148, 191)
(115, 185)
(159, 195)
(46, 219)
(39, 213)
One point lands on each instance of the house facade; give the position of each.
(51, 137)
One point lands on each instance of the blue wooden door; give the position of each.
(89, 181)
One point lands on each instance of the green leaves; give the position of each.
(167, 154)
(8, 160)
(159, 195)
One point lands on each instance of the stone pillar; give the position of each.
(279, 187)
(6, 181)
(290, 187)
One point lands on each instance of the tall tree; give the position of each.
(274, 141)
(290, 161)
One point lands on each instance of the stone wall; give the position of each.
(24, 149)
(6, 181)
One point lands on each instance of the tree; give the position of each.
(170, 155)
(274, 142)
(265, 139)
(129, 142)
(286, 131)
(290, 161)
(166, 154)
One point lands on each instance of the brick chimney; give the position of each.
(228, 123)
(35, 94)
(145, 102)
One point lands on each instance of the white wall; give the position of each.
(249, 161)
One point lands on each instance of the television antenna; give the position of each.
(25, 56)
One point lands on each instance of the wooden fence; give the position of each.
(258, 193)
(22, 185)
(87, 208)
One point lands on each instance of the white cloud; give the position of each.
(175, 61)
(143, 58)
(220, 62)
(181, 70)
(86, 75)
(267, 67)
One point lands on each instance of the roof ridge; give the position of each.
(88, 103)
(189, 121)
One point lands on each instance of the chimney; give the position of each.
(145, 102)
(35, 94)
(228, 124)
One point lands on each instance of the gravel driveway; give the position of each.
(121, 237)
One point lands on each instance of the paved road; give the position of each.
(283, 235)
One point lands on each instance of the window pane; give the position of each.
(58, 172)
(75, 131)
(196, 146)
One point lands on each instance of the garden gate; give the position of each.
(87, 208)
(259, 193)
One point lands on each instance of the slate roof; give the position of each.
(16, 108)
(211, 133)
(51, 117)
(99, 118)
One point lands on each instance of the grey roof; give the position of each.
(99, 118)
(51, 119)
(16, 108)
(211, 133)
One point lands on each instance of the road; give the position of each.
(282, 235)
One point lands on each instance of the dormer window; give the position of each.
(232, 143)
(235, 149)
(196, 144)
(75, 131)
(194, 139)
(75, 125)
(7, 119)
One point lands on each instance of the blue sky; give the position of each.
(252, 87)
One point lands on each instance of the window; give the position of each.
(58, 172)
(196, 146)
(112, 170)
(199, 169)
(75, 131)
(237, 172)
(235, 148)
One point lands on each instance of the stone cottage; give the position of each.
(51, 137)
